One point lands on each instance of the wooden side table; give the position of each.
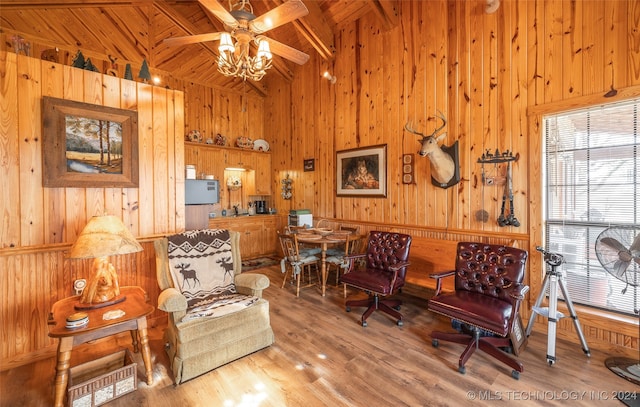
(135, 309)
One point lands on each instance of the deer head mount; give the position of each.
(443, 160)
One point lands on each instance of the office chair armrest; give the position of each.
(398, 266)
(351, 257)
(519, 292)
(351, 260)
(439, 276)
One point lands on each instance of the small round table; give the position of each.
(323, 242)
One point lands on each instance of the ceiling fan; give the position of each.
(242, 28)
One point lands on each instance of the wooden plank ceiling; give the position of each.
(134, 30)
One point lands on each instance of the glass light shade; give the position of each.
(264, 51)
(226, 44)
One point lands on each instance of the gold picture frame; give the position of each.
(88, 146)
(362, 171)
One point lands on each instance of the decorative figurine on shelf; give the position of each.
(220, 140)
(78, 60)
(127, 72)
(194, 136)
(50, 55)
(286, 188)
(21, 46)
(89, 66)
(113, 71)
(144, 74)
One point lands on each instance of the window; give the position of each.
(591, 182)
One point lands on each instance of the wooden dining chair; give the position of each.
(339, 261)
(295, 263)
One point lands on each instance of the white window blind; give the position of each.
(592, 182)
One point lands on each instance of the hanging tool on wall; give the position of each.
(496, 158)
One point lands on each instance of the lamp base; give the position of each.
(86, 306)
(624, 367)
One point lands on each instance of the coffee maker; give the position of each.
(261, 207)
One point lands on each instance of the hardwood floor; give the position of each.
(323, 357)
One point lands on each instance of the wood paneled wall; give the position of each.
(39, 224)
(484, 72)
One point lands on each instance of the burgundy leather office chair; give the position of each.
(385, 265)
(486, 302)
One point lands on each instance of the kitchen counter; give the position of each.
(258, 233)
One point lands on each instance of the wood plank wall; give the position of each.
(39, 224)
(485, 72)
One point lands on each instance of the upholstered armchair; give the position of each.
(201, 338)
(381, 275)
(485, 304)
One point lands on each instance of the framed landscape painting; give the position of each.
(362, 171)
(88, 146)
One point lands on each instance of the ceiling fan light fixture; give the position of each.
(241, 64)
(263, 49)
(226, 44)
(241, 28)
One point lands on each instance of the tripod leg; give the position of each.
(536, 306)
(574, 316)
(553, 319)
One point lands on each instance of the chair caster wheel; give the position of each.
(515, 374)
(434, 343)
(462, 369)
(550, 362)
(364, 324)
(397, 308)
(400, 323)
(348, 309)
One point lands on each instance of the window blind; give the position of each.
(591, 182)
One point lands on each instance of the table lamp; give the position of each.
(102, 237)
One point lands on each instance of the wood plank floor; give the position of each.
(323, 357)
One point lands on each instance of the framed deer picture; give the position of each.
(88, 146)
(362, 171)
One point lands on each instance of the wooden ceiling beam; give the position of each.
(387, 12)
(21, 4)
(315, 28)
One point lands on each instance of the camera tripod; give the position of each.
(552, 279)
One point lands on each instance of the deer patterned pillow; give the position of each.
(202, 269)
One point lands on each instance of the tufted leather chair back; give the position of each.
(385, 249)
(489, 269)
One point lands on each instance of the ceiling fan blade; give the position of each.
(192, 39)
(278, 16)
(220, 12)
(613, 244)
(285, 51)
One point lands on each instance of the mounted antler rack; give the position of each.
(498, 157)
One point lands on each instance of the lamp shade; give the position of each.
(226, 44)
(104, 236)
(263, 49)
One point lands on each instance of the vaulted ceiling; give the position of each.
(135, 30)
